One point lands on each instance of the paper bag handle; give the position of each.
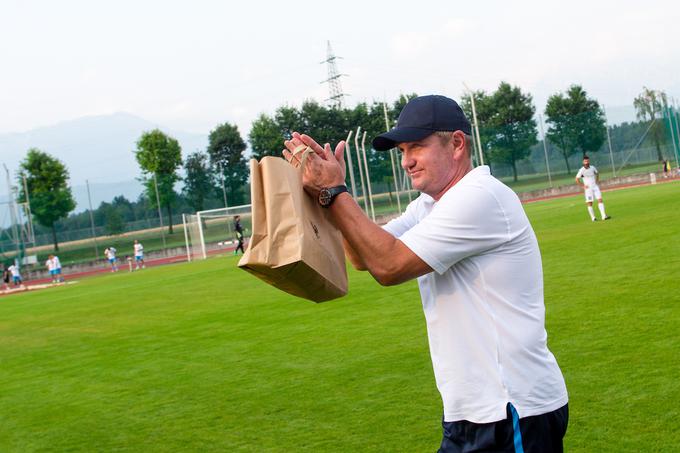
(305, 150)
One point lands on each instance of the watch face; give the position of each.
(325, 197)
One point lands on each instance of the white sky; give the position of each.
(190, 65)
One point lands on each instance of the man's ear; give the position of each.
(459, 144)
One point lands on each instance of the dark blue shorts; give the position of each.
(536, 434)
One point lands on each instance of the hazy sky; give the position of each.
(193, 64)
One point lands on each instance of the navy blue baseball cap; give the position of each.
(421, 117)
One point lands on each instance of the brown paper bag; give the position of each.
(294, 245)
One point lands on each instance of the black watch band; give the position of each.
(327, 196)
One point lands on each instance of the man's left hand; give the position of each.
(323, 167)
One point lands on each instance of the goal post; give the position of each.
(212, 230)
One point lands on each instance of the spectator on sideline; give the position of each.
(666, 165)
(588, 177)
(110, 253)
(139, 255)
(469, 243)
(239, 234)
(16, 275)
(6, 277)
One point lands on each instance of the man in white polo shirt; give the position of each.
(588, 177)
(469, 243)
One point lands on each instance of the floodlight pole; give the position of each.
(677, 132)
(12, 212)
(673, 135)
(94, 234)
(474, 157)
(476, 125)
(160, 214)
(31, 233)
(224, 193)
(545, 150)
(361, 171)
(348, 153)
(224, 190)
(368, 176)
(611, 152)
(392, 159)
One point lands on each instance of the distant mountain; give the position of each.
(95, 148)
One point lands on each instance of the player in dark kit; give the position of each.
(239, 234)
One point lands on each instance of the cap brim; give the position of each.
(389, 140)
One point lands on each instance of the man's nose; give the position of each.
(406, 160)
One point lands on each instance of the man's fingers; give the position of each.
(292, 158)
(293, 144)
(340, 152)
(309, 141)
(327, 153)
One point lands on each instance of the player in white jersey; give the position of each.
(57, 268)
(588, 177)
(16, 274)
(49, 264)
(110, 254)
(139, 254)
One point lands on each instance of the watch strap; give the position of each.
(334, 192)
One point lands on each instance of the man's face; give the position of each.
(430, 164)
(586, 163)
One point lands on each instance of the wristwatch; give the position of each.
(327, 195)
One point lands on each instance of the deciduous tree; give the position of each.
(199, 181)
(226, 150)
(649, 105)
(160, 155)
(575, 122)
(507, 126)
(48, 191)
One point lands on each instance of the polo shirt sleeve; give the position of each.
(403, 223)
(469, 222)
(579, 174)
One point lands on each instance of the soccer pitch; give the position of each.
(204, 357)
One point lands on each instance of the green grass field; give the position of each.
(78, 252)
(204, 357)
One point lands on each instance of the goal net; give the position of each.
(212, 231)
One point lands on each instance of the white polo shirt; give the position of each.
(484, 303)
(589, 176)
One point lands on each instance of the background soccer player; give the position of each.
(588, 177)
(139, 254)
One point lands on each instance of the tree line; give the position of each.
(218, 175)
